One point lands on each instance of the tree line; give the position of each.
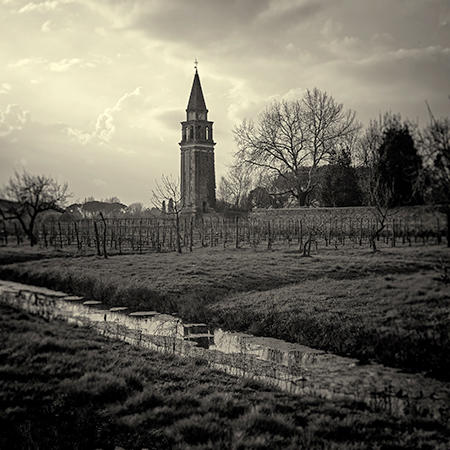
(313, 152)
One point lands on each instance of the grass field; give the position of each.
(390, 306)
(67, 387)
(27, 253)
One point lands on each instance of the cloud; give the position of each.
(346, 47)
(428, 65)
(25, 62)
(331, 28)
(45, 28)
(217, 28)
(80, 136)
(289, 12)
(430, 53)
(382, 39)
(48, 5)
(47, 148)
(65, 64)
(13, 118)
(62, 65)
(5, 88)
(169, 20)
(105, 126)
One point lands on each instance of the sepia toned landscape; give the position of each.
(224, 224)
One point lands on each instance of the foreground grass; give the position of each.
(67, 387)
(388, 307)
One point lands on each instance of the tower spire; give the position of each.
(196, 99)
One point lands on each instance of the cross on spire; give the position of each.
(195, 64)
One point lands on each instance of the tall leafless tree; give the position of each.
(236, 184)
(291, 136)
(434, 145)
(168, 191)
(29, 196)
(379, 194)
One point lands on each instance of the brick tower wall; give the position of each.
(205, 179)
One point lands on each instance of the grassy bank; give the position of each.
(399, 320)
(66, 387)
(12, 254)
(390, 306)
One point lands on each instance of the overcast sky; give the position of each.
(92, 91)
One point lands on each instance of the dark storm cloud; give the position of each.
(206, 22)
(423, 70)
(195, 21)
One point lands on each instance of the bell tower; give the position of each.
(198, 184)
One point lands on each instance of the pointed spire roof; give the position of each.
(196, 99)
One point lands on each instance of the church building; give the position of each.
(198, 184)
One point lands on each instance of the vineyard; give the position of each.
(307, 232)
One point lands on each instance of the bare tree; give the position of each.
(434, 145)
(29, 196)
(168, 191)
(235, 186)
(379, 194)
(380, 199)
(292, 138)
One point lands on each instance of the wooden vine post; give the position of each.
(97, 239)
(105, 254)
